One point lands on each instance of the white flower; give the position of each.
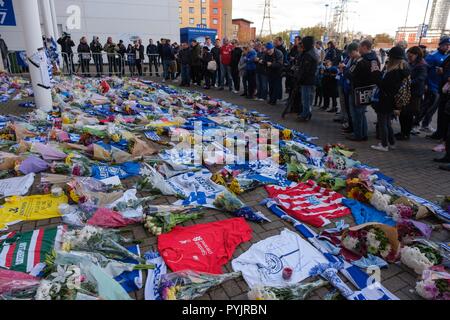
(386, 251)
(416, 260)
(61, 274)
(422, 291)
(382, 203)
(43, 292)
(350, 243)
(372, 241)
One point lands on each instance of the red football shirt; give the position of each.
(203, 247)
(225, 54)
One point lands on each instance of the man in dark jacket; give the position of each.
(84, 54)
(273, 61)
(152, 53)
(306, 76)
(167, 58)
(216, 55)
(196, 62)
(185, 57)
(333, 54)
(236, 55)
(96, 49)
(122, 53)
(140, 57)
(67, 44)
(419, 72)
(363, 72)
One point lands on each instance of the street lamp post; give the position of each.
(226, 20)
(423, 24)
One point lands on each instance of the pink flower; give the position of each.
(432, 290)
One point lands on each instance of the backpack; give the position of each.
(403, 97)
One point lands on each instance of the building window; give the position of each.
(203, 10)
(215, 11)
(180, 9)
(204, 21)
(191, 21)
(215, 21)
(191, 9)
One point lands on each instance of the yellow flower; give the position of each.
(160, 131)
(66, 247)
(218, 178)
(235, 187)
(368, 195)
(115, 137)
(74, 196)
(69, 158)
(286, 134)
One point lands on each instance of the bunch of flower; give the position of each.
(65, 284)
(227, 201)
(435, 284)
(105, 241)
(189, 285)
(161, 223)
(372, 240)
(295, 292)
(421, 256)
(408, 230)
(228, 180)
(359, 190)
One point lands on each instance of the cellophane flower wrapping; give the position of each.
(17, 285)
(434, 284)
(421, 256)
(295, 292)
(189, 285)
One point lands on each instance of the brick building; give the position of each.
(243, 31)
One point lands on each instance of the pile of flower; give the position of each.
(160, 223)
(421, 255)
(295, 292)
(434, 284)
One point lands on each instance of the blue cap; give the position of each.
(269, 46)
(444, 40)
(333, 70)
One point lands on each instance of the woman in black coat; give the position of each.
(419, 73)
(389, 84)
(84, 54)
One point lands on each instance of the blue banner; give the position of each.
(7, 16)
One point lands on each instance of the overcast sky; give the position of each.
(368, 16)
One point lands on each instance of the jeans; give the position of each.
(153, 61)
(307, 93)
(385, 127)
(196, 74)
(358, 113)
(112, 64)
(166, 65)
(216, 76)
(407, 116)
(208, 77)
(185, 74)
(139, 67)
(68, 62)
(225, 71)
(98, 61)
(275, 88)
(441, 120)
(429, 108)
(237, 79)
(251, 80)
(262, 86)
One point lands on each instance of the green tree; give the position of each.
(317, 32)
(383, 38)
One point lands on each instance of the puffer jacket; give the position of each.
(419, 73)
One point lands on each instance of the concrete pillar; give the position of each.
(55, 21)
(2, 67)
(33, 42)
(47, 18)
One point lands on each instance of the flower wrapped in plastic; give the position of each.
(160, 223)
(17, 285)
(227, 201)
(295, 292)
(434, 284)
(105, 241)
(423, 254)
(189, 285)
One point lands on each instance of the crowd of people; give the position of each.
(410, 85)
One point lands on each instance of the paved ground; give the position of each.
(411, 166)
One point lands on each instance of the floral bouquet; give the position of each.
(66, 284)
(422, 255)
(301, 173)
(376, 239)
(294, 292)
(408, 230)
(227, 201)
(105, 241)
(17, 285)
(435, 284)
(189, 285)
(164, 222)
(339, 148)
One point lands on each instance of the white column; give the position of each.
(33, 42)
(2, 67)
(47, 17)
(55, 21)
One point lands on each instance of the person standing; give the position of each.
(96, 49)
(236, 55)
(274, 61)
(307, 70)
(445, 101)
(167, 58)
(225, 65)
(215, 51)
(185, 57)
(208, 43)
(330, 89)
(250, 70)
(131, 59)
(419, 70)
(160, 46)
(261, 75)
(84, 55)
(333, 54)
(140, 57)
(383, 56)
(196, 62)
(207, 74)
(67, 44)
(4, 52)
(152, 53)
(365, 66)
(122, 57)
(111, 50)
(435, 78)
(389, 83)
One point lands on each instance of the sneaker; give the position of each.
(380, 147)
(235, 92)
(262, 100)
(427, 129)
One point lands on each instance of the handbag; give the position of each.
(365, 96)
(212, 65)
